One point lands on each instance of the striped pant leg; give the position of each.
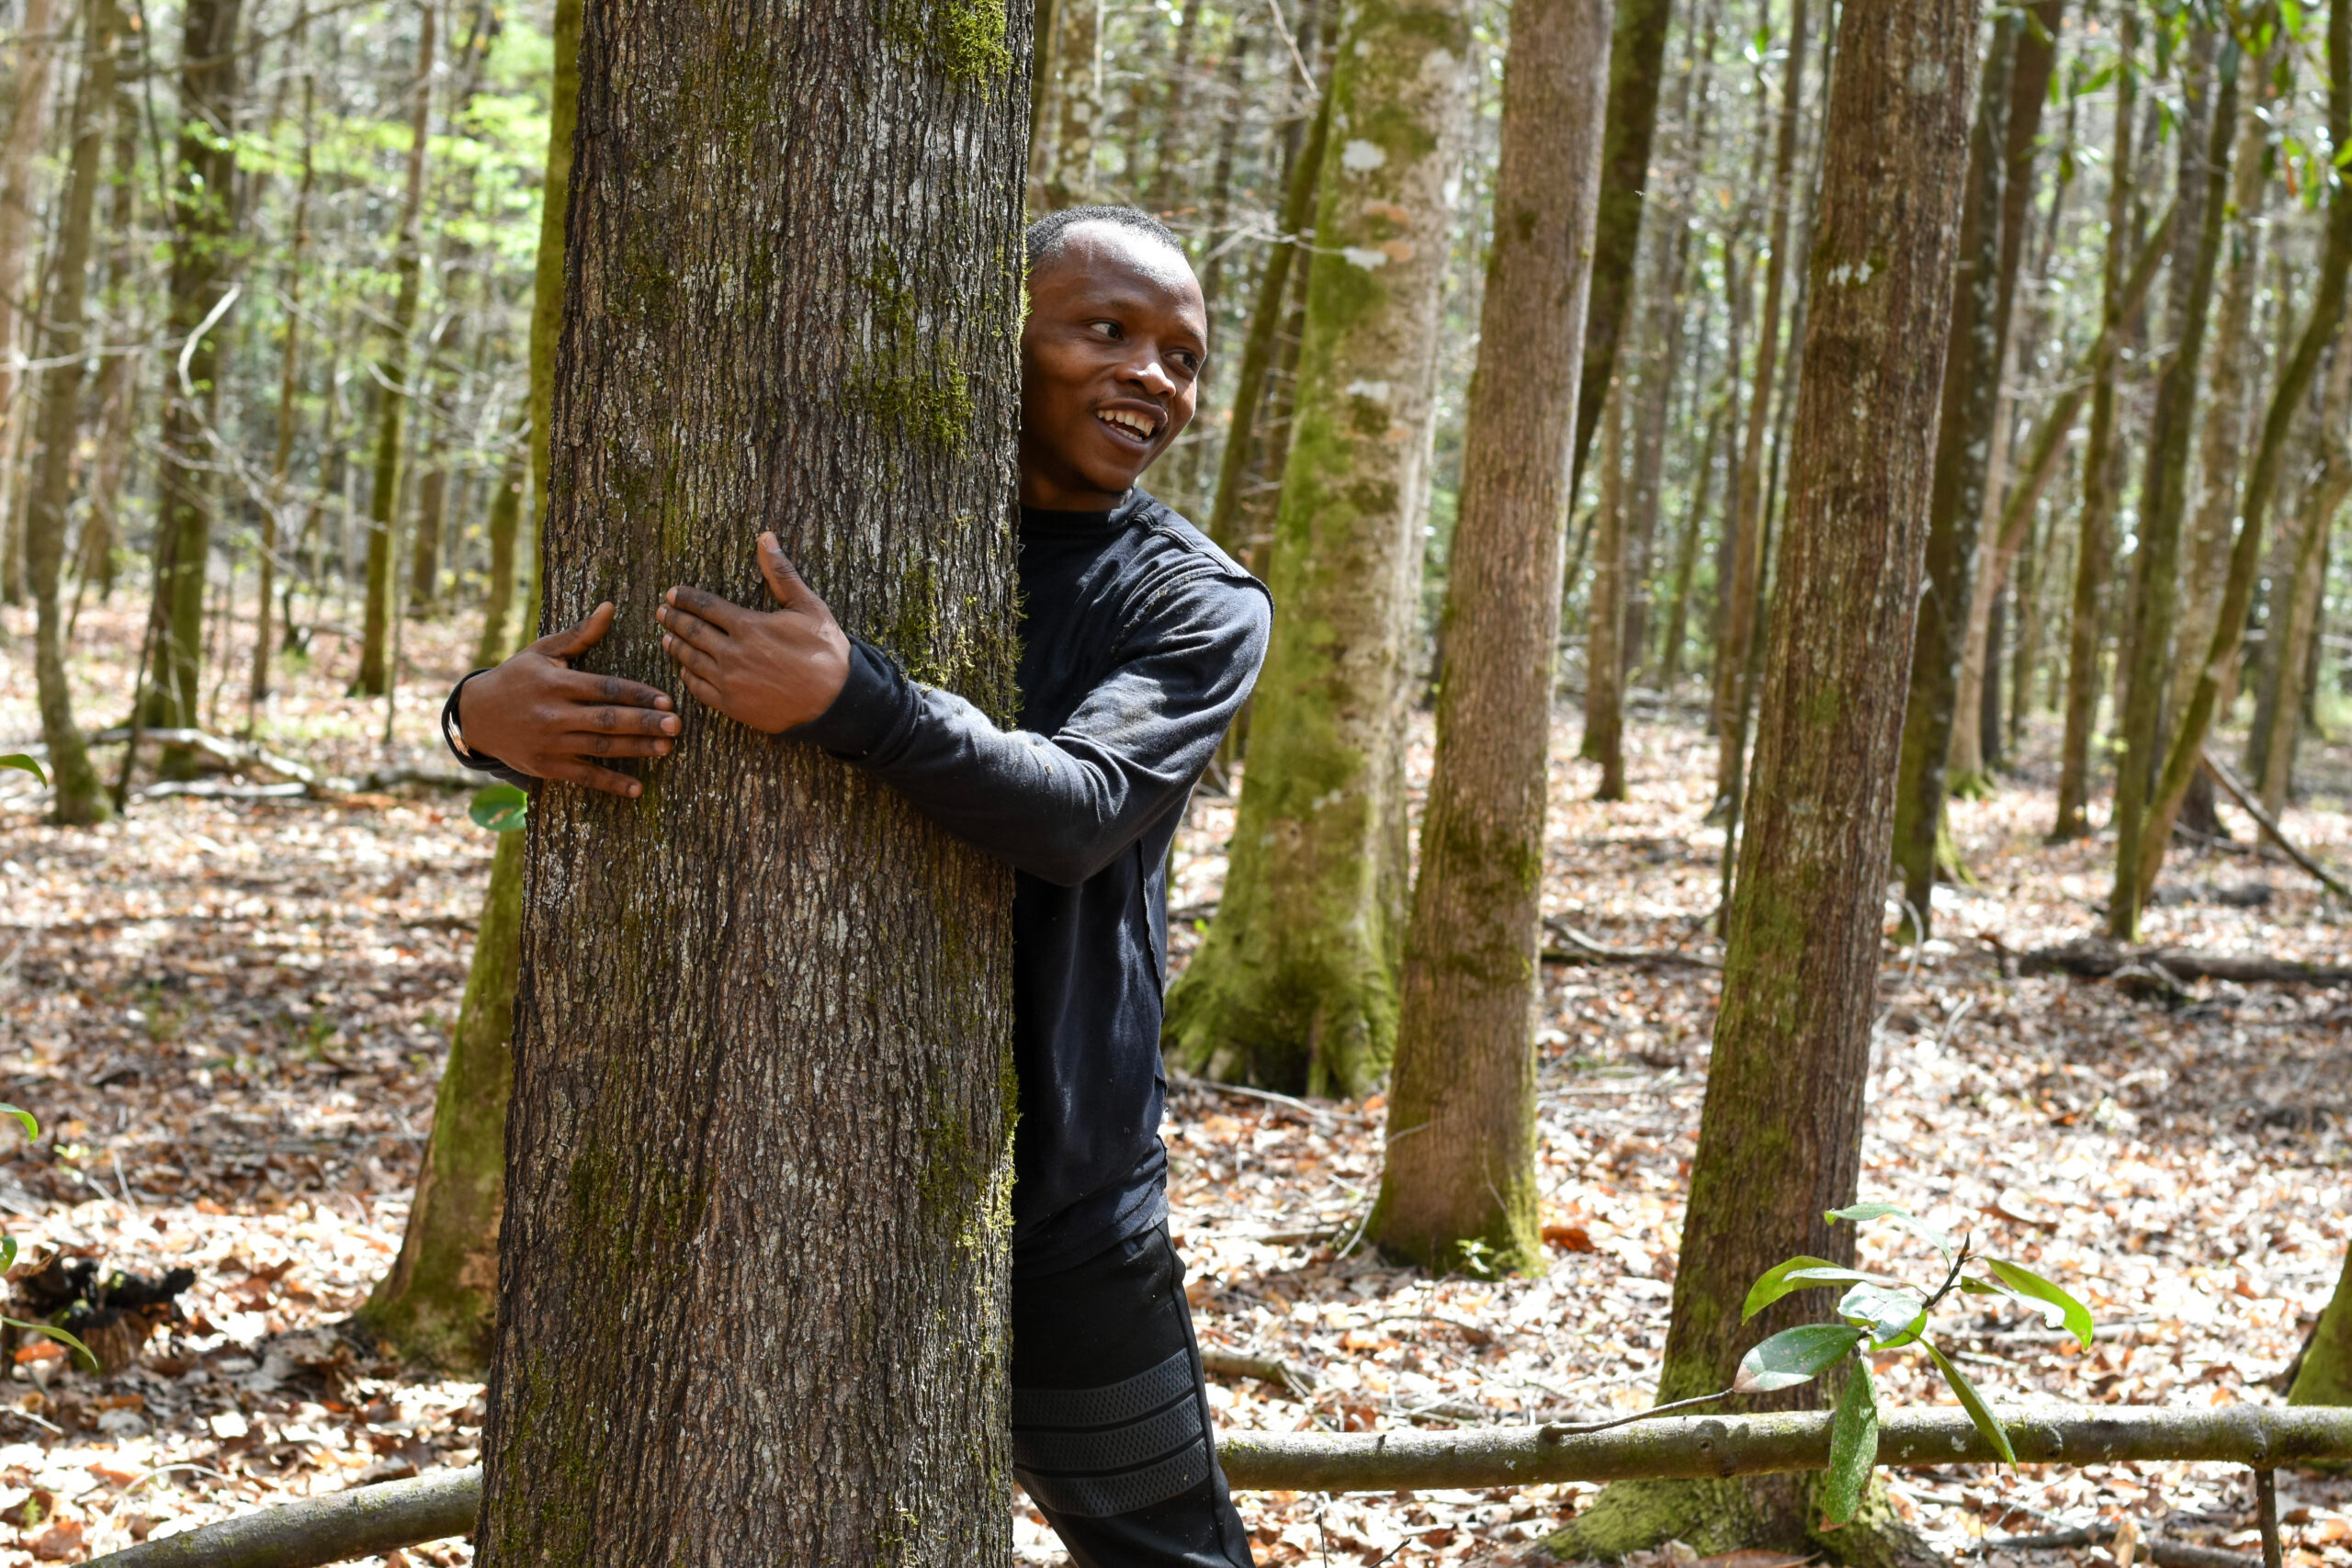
(1111, 1432)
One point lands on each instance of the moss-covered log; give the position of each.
(1296, 986)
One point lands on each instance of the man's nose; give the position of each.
(1152, 375)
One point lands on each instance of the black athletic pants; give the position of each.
(1111, 1416)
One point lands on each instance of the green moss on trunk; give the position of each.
(2326, 1374)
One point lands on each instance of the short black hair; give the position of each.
(1051, 232)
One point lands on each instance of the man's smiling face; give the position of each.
(1111, 359)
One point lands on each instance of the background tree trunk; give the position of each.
(1463, 1192)
(204, 225)
(2297, 600)
(1780, 1138)
(1740, 589)
(78, 797)
(1956, 505)
(1604, 661)
(752, 1279)
(392, 373)
(498, 619)
(2095, 536)
(27, 124)
(440, 1303)
(1636, 69)
(1078, 103)
(1295, 985)
(2262, 479)
(2326, 1374)
(2212, 122)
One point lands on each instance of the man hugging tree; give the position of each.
(1140, 641)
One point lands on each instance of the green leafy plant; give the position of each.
(1879, 1313)
(8, 1260)
(23, 763)
(500, 808)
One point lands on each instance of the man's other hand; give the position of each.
(540, 717)
(771, 670)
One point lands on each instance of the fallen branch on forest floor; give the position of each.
(2162, 1552)
(1582, 949)
(2262, 819)
(2095, 958)
(369, 1521)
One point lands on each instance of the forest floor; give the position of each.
(230, 1015)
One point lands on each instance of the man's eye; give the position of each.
(1190, 362)
(1108, 329)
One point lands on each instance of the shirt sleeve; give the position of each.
(1062, 806)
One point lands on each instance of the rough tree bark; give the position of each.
(2095, 535)
(1956, 504)
(1636, 68)
(2203, 184)
(204, 223)
(392, 383)
(752, 1276)
(1780, 1138)
(439, 1302)
(1295, 985)
(1462, 1193)
(2262, 479)
(1746, 522)
(78, 798)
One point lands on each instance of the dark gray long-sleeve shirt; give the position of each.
(1140, 641)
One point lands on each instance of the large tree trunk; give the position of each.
(440, 1303)
(375, 674)
(2187, 753)
(1636, 69)
(1741, 588)
(1780, 1139)
(204, 224)
(2204, 186)
(78, 797)
(1296, 986)
(1462, 1193)
(754, 1273)
(1956, 505)
(2094, 534)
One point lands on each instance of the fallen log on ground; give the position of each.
(2163, 1552)
(1582, 949)
(369, 1521)
(2094, 958)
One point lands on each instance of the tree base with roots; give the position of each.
(1716, 1516)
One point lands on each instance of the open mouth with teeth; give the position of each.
(1129, 426)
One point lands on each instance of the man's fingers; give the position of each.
(722, 614)
(783, 578)
(689, 628)
(579, 638)
(604, 743)
(689, 657)
(702, 690)
(611, 691)
(604, 779)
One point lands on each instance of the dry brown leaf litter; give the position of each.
(230, 1018)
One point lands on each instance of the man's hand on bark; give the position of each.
(771, 670)
(540, 717)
